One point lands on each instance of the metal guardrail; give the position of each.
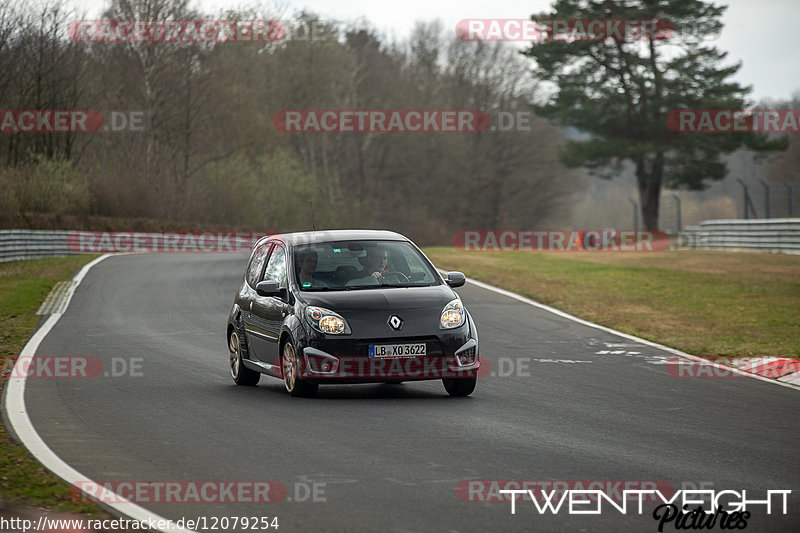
(777, 235)
(17, 244)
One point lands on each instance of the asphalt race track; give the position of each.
(390, 457)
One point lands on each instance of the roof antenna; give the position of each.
(313, 224)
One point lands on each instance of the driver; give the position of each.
(376, 261)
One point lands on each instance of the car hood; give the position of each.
(383, 299)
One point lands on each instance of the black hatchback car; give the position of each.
(349, 306)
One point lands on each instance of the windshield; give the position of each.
(347, 265)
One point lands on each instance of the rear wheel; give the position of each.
(291, 370)
(240, 374)
(460, 386)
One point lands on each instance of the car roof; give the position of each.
(322, 236)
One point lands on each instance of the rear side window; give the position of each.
(256, 264)
(276, 267)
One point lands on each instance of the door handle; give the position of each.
(251, 306)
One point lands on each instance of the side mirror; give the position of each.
(455, 279)
(268, 288)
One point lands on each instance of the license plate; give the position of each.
(396, 350)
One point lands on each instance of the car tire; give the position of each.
(241, 374)
(290, 367)
(460, 386)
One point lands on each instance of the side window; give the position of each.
(256, 264)
(276, 266)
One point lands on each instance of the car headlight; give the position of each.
(453, 315)
(326, 321)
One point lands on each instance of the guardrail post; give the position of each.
(635, 213)
(766, 196)
(678, 208)
(748, 203)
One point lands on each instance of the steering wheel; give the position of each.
(401, 278)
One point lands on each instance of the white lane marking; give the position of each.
(791, 378)
(25, 432)
(673, 351)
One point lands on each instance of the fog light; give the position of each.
(321, 365)
(466, 358)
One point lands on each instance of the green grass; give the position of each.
(23, 287)
(711, 304)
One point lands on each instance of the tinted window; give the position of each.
(256, 264)
(350, 264)
(276, 267)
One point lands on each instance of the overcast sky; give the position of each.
(763, 34)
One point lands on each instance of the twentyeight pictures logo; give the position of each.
(176, 31)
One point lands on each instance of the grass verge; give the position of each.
(706, 303)
(23, 287)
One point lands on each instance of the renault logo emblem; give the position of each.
(395, 322)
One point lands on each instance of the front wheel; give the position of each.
(291, 370)
(460, 386)
(240, 374)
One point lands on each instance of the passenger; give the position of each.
(308, 259)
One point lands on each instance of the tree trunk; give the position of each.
(649, 181)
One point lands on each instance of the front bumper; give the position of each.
(348, 361)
